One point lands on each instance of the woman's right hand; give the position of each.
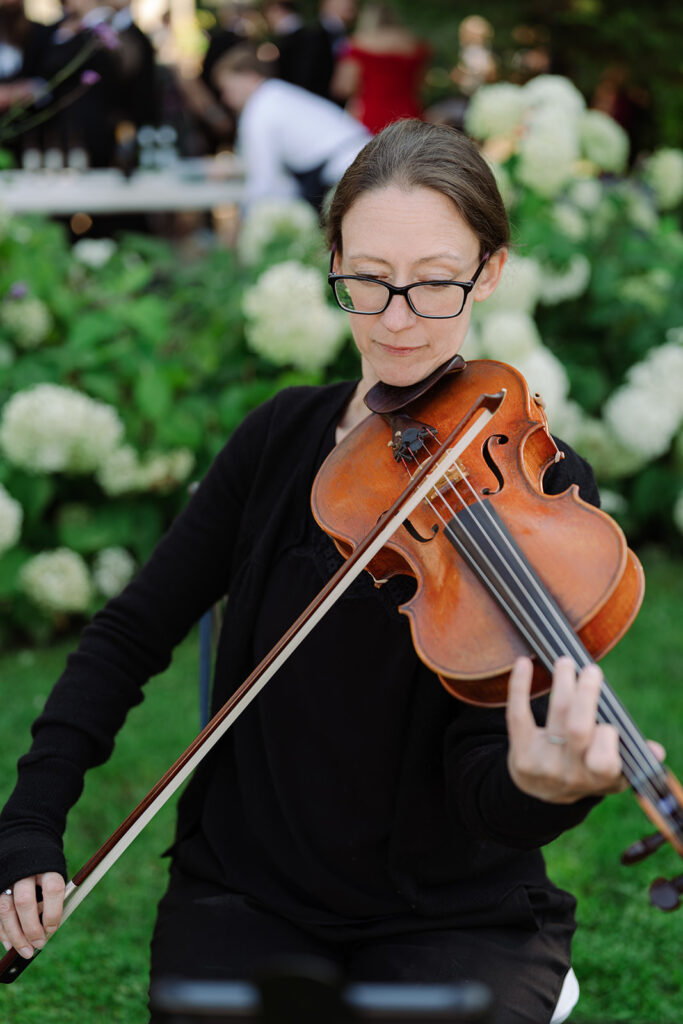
(20, 913)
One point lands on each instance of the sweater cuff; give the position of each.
(28, 854)
(525, 821)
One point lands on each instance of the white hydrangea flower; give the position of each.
(509, 335)
(609, 456)
(548, 151)
(50, 429)
(603, 141)
(556, 93)
(678, 512)
(545, 374)
(112, 570)
(268, 218)
(570, 221)
(640, 208)
(561, 285)
(94, 252)
(118, 473)
(495, 110)
(568, 421)
(586, 193)
(57, 581)
(518, 288)
(645, 424)
(650, 290)
(663, 172)
(661, 372)
(28, 320)
(288, 319)
(11, 519)
(124, 472)
(163, 472)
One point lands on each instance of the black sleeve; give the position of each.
(127, 642)
(481, 790)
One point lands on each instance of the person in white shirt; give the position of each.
(292, 142)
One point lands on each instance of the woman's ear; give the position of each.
(490, 275)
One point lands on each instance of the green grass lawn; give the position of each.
(627, 955)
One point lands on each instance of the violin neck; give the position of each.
(480, 536)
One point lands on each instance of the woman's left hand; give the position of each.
(572, 756)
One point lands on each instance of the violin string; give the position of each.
(643, 775)
(629, 756)
(566, 633)
(634, 756)
(639, 754)
(609, 708)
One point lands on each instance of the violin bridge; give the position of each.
(451, 477)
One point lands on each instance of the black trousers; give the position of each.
(203, 932)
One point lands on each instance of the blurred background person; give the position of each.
(477, 64)
(22, 45)
(336, 18)
(292, 143)
(137, 86)
(238, 22)
(532, 56)
(381, 71)
(86, 100)
(617, 95)
(306, 52)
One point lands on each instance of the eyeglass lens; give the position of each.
(428, 299)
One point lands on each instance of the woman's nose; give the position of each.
(398, 315)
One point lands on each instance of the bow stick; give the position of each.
(85, 880)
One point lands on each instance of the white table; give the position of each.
(202, 184)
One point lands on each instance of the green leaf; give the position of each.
(10, 567)
(87, 529)
(33, 492)
(152, 393)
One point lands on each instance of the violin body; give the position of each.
(578, 552)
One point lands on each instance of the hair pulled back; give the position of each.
(413, 154)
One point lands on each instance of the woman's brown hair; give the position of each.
(413, 154)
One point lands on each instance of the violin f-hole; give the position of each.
(490, 462)
(418, 536)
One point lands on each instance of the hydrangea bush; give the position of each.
(123, 369)
(124, 366)
(590, 306)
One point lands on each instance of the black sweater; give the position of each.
(334, 820)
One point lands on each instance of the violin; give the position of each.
(502, 569)
(444, 483)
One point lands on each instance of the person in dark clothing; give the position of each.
(305, 52)
(22, 48)
(22, 44)
(355, 810)
(84, 102)
(138, 89)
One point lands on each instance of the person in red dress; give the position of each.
(380, 72)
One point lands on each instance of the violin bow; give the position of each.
(85, 880)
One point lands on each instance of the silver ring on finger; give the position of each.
(8, 892)
(559, 741)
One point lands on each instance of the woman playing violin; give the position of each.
(355, 811)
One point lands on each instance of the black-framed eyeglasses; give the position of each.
(436, 300)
